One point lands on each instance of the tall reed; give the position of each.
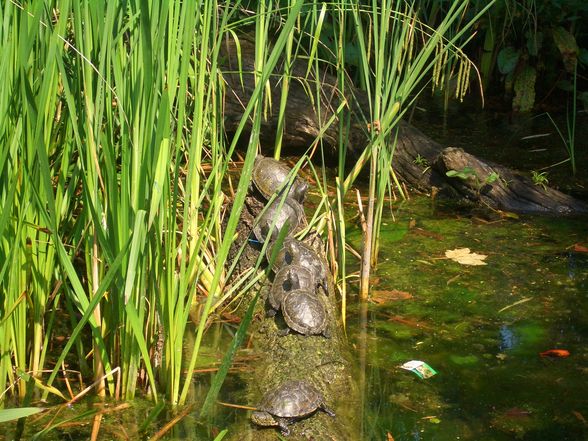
(113, 157)
(398, 55)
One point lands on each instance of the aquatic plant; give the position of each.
(113, 157)
(539, 178)
(398, 55)
(569, 138)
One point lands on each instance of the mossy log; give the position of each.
(324, 362)
(418, 161)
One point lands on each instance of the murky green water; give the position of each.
(492, 384)
(481, 328)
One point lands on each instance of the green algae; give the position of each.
(482, 328)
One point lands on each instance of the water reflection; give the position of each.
(508, 340)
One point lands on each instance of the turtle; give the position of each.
(304, 312)
(289, 214)
(295, 252)
(286, 279)
(271, 176)
(291, 401)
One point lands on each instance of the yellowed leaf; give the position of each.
(464, 256)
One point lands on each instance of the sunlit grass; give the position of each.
(113, 161)
(110, 114)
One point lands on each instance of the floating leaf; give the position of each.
(465, 257)
(517, 412)
(559, 353)
(508, 58)
(389, 295)
(413, 323)
(580, 417)
(579, 248)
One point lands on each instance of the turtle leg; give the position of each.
(283, 423)
(327, 410)
(284, 332)
(270, 312)
(326, 333)
(325, 286)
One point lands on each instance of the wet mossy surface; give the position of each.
(324, 362)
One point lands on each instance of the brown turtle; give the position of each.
(289, 402)
(295, 252)
(288, 278)
(304, 312)
(278, 215)
(271, 176)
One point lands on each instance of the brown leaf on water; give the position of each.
(374, 281)
(464, 256)
(579, 248)
(413, 323)
(580, 417)
(517, 412)
(389, 437)
(380, 296)
(426, 233)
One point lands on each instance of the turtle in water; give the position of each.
(304, 312)
(271, 176)
(295, 252)
(288, 278)
(291, 401)
(288, 214)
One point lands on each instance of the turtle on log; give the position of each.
(289, 402)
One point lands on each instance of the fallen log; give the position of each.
(324, 362)
(418, 161)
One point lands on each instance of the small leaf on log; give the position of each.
(464, 256)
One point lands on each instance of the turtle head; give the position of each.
(299, 189)
(263, 418)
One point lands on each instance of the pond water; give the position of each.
(482, 328)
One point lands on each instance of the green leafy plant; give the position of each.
(469, 174)
(112, 162)
(420, 161)
(539, 178)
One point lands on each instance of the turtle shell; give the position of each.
(288, 278)
(290, 215)
(271, 176)
(304, 312)
(295, 252)
(292, 399)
